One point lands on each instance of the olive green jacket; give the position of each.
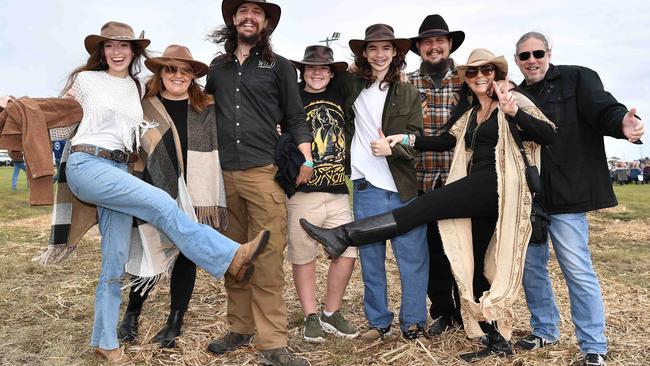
(402, 114)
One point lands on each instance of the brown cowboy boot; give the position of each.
(242, 265)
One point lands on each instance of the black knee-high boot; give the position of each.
(359, 232)
(494, 342)
(128, 330)
(172, 329)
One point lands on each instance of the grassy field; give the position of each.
(46, 313)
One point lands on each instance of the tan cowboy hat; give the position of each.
(483, 56)
(378, 33)
(179, 53)
(114, 31)
(273, 11)
(320, 56)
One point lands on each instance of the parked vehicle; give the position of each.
(5, 160)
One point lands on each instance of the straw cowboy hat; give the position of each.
(378, 33)
(114, 31)
(482, 56)
(435, 26)
(320, 56)
(180, 53)
(272, 11)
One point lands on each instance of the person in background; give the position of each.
(18, 160)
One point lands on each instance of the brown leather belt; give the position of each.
(115, 155)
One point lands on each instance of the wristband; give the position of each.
(405, 140)
(411, 140)
(308, 164)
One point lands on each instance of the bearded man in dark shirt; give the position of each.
(254, 90)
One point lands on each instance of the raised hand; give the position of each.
(381, 146)
(507, 102)
(632, 126)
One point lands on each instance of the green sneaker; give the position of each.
(337, 325)
(312, 331)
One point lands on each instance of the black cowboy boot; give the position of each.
(364, 231)
(495, 345)
(129, 328)
(167, 335)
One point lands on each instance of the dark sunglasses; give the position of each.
(484, 70)
(175, 69)
(523, 56)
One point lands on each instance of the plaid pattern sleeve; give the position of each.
(437, 105)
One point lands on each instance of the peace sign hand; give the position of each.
(507, 102)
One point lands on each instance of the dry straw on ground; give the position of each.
(46, 313)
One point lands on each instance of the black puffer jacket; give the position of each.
(575, 176)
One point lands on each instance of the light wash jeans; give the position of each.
(119, 197)
(412, 255)
(17, 168)
(570, 236)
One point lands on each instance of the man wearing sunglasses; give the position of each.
(439, 85)
(575, 180)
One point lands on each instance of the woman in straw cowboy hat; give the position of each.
(324, 198)
(180, 154)
(484, 208)
(96, 173)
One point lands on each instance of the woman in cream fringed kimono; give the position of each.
(483, 210)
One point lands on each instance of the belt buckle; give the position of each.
(119, 156)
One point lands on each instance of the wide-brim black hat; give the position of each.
(435, 26)
(272, 11)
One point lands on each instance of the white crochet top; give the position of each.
(112, 113)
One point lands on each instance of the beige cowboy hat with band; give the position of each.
(272, 11)
(177, 53)
(320, 56)
(483, 56)
(379, 33)
(114, 31)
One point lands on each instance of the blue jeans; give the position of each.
(119, 197)
(412, 255)
(570, 236)
(18, 166)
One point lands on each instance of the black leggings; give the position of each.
(181, 287)
(475, 197)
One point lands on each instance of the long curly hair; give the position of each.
(97, 62)
(392, 76)
(227, 35)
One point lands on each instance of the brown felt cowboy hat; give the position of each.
(482, 56)
(435, 26)
(114, 31)
(320, 56)
(177, 53)
(272, 11)
(378, 33)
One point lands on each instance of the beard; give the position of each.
(435, 68)
(248, 39)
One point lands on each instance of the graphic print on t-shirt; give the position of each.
(328, 148)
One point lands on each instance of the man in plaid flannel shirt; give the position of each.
(439, 85)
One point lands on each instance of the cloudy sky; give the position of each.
(41, 41)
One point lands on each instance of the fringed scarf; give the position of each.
(504, 259)
(152, 254)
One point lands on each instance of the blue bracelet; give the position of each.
(309, 164)
(405, 140)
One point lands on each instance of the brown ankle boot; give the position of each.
(242, 266)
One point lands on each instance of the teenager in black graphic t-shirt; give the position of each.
(324, 198)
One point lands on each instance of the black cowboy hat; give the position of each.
(272, 11)
(320, 56)
(435, 26)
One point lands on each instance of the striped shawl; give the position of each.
(152, 254)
